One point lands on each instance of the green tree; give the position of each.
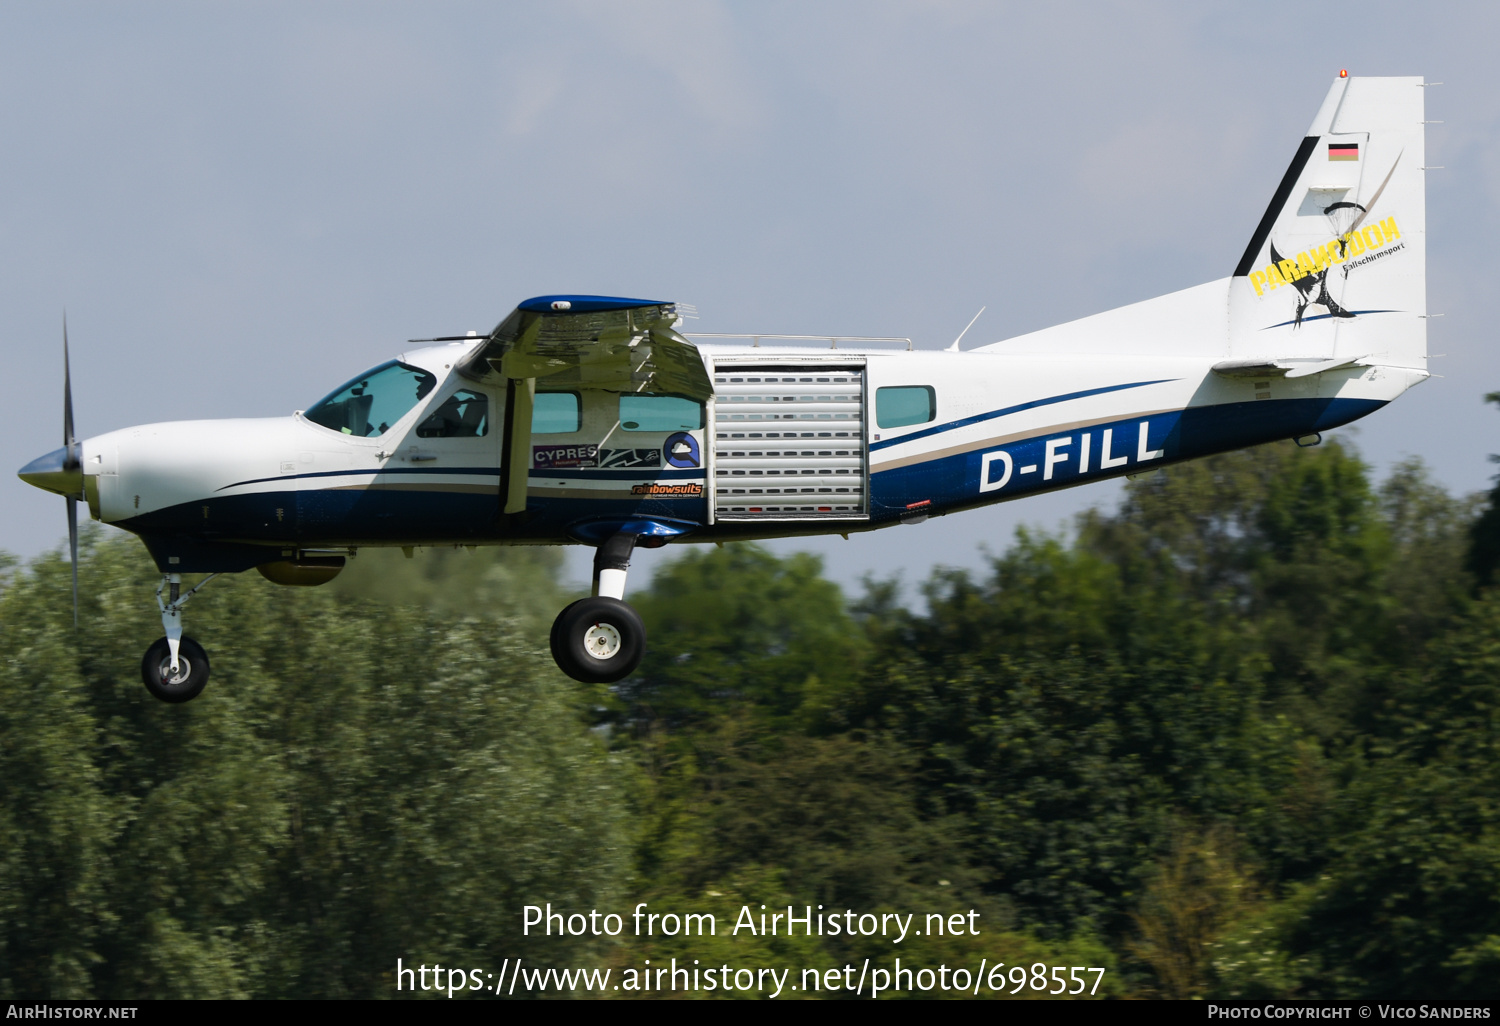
(357, 785)
(57, 823)
(1484, 537)
(1191, 899)
(739, 627)
(1427, 579)
(499, 582)
(1194, 653)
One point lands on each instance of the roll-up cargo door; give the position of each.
(789, 442)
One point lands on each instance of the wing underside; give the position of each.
(622, 345)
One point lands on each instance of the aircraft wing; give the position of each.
(625, 345)
(601, 342)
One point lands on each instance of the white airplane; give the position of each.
(594, 421)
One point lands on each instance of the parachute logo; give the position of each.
(1308, 273)
(1344, 217)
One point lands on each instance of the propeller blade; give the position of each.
(73, 548)
(70, 461)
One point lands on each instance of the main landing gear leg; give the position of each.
(175, 668)
(600, 640)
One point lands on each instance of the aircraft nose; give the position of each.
(51, 473)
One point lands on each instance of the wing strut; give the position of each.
(520, 397)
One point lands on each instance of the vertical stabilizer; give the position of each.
(1337, 266)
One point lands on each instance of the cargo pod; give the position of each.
(789, 439)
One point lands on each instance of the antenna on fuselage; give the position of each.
(954, 347)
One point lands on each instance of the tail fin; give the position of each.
(1339, 258)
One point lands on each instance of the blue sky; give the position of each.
(241, 205)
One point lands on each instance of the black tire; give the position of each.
(192, 667)
(555, 640)
(598, 640)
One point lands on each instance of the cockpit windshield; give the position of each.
(372, 402)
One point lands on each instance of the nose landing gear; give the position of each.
(182, 684)
(175, 667)
(600, 640)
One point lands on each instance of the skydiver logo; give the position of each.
(1283, 271)
(1308, 273)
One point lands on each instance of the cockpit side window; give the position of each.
(371, 403)
(464, 414)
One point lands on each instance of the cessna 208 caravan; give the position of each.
(596, 421)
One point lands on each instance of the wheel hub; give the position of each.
(602, 641)
(184, 670)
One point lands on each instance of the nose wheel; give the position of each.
(182, 684)
(600, 640)
(175, 668)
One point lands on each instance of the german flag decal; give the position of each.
(1343, 151)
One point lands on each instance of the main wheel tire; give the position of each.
(556, 640)
(598, 640)
(187, 682)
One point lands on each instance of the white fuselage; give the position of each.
(1002, 425)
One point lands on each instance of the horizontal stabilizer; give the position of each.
(1289, 367)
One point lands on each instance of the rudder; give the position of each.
(1339, 258)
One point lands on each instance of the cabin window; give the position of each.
(367, 406)
(660, 413)
(464, 414)
(556, 413)
(901, 405)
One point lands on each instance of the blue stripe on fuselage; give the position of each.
(991, 415)
(588, 472)
(413, 510)
(953, 482)
(313, 475)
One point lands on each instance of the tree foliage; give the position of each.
(1484, 540)
(334, 803)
